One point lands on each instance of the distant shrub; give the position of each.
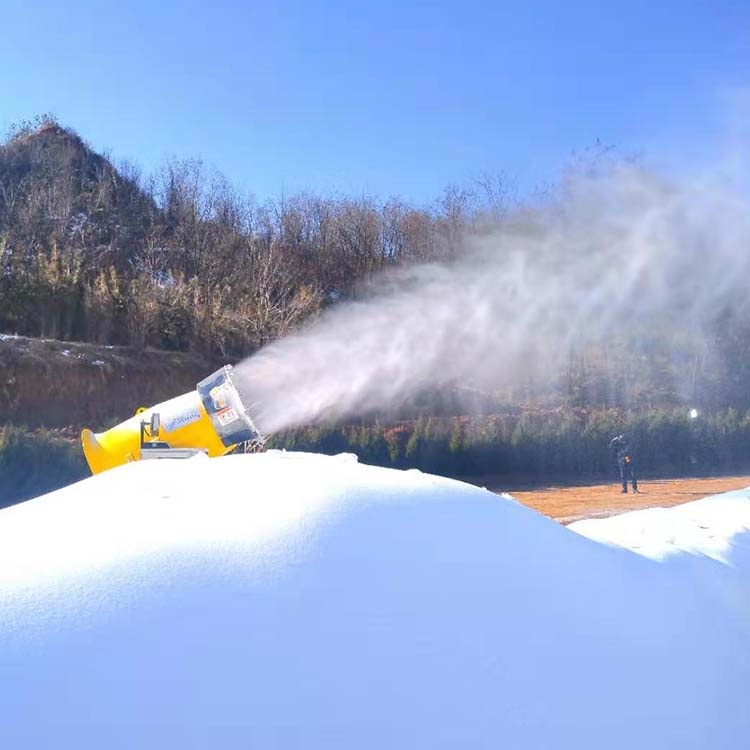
(32, 463)
(563, 444)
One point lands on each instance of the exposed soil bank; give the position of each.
(56, 384)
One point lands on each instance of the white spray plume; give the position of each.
(612, 253)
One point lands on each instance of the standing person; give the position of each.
(621, 447)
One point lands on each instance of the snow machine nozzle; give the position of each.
(211, 419)
(222, 402)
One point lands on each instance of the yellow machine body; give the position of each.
(184, 424)
(211, 418)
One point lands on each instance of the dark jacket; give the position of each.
(622, 450)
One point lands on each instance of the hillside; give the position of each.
(92, 251)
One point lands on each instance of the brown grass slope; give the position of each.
(568, 504)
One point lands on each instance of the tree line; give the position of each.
(180, 260)
(565, 444)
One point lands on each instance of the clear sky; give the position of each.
(382, 98)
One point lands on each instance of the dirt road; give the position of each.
(568, 504)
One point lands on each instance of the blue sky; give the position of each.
(379, 98)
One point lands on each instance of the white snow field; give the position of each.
(290, 601)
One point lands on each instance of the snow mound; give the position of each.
(300, 601)
(717, 527)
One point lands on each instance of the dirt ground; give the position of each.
(568, 504)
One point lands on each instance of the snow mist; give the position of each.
(610, 254)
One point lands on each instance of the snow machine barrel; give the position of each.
(211, 419)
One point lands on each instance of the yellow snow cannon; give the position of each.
(211, 419)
